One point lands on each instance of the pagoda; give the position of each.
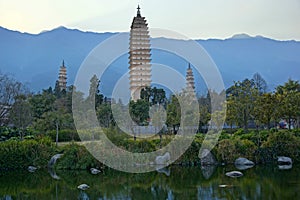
(62, 77)
(190, 81)
(139, 56)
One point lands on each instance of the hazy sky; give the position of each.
(279, 19)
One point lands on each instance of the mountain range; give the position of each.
(35, 59)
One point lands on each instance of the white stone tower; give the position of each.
(139, 56)
(190, 81)
(62, 77)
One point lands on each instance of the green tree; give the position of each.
(265, 109)
(242, 96)
(173, 114)
(94, 92)
(288, 101)
(204, 111)
(104, 114)
(154, 95)
(42, 103)
(139, 111)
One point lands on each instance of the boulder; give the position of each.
(32, 169)
(163, 160)
(53, 173)
(164, 170)
(283, 160)
(285, 167)
(243, 167)
(208, 170)
(53, 160)
(207, 158)
(95, 171)
(83, 186)
(234, 174)
(243, 161)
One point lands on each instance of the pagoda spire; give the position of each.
(138, 11)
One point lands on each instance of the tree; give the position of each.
(288, 101)
(104, 115)
(9, 89)
(265, 108)
(157, 115)
(204, 111)
(41, 103)
(139, 111)
(21, 114)
(154, 95)
(242, 96)
(259, 83)
(231, 113)
(173, 114)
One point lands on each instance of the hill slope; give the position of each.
(35, 59)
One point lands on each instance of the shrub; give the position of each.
(229, 150)
(64, 135)
(283, 143)
(76, 157)
(20, 154)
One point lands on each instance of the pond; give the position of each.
(259, 182)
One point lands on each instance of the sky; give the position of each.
(196, 19)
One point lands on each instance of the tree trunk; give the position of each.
(56, 139)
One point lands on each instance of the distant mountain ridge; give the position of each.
(35, 58)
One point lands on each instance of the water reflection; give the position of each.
(182, 183)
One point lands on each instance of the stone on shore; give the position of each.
(234, 174)
(32, 169)
(83, 186)
(95, 171)
(207, 158)
(283, 160)
(163, 160)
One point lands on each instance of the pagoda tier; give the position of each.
(139, 56)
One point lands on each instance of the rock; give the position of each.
(53, 160)
(208, 170)
(207, 158)
(53, 173)
(282, 160)
(243, 167)
(164, 170)
(83, 186)
(95, 171)
(285, 167)
(32, 169)
(225, 186)
(243, 161)
(234, 174)
(163, 160)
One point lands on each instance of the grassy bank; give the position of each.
(259, 146)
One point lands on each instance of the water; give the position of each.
(260, 182)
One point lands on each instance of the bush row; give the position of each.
(20, 154)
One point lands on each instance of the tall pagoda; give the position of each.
(139, 56)
(190, 81)
(62, 77)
